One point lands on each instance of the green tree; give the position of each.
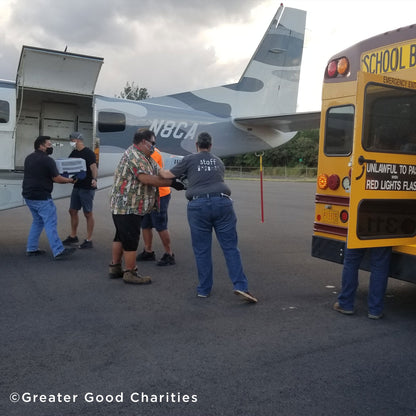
(304, 147)
(133, 92)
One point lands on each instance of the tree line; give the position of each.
(302, 150)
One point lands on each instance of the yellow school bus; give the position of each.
(366, 184)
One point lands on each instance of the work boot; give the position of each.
(115, 271)
(131, 276)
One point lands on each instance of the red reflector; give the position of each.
(343, 216)
(333, 182)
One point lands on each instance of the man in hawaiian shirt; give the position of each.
(134, 194)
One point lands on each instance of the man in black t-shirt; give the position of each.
(40, 172)
(83, 193)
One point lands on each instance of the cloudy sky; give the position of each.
(170, 46)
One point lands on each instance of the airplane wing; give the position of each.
(284, 122)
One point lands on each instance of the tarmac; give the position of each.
(74, 342)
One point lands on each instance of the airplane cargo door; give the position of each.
(383, 175)
(55, 97)
(47, 70)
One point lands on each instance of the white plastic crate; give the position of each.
(70, 165)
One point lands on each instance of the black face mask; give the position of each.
(49, 150)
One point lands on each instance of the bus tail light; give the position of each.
(337, 67)
(343, 66)
(323, 181)
(334, 182)
(331, 69)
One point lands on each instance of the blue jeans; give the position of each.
(380, 263)
(44, 216)
(205, 214)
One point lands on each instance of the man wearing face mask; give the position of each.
(83, 192)
(133, 195)
(40, 172)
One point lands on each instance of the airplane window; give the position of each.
(339, 131)
(110, 122)
(4, 111)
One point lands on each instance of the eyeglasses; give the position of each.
(152, 145)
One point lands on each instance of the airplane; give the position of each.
(54, 95)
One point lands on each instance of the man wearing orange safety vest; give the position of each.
(158, 220)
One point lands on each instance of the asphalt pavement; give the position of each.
(74, 342)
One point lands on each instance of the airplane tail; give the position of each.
(269, 84)
(261, 105)
(273, 73)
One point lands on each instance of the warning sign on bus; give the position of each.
(390, 177)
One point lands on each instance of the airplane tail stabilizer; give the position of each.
(273, 73)
(269, 84)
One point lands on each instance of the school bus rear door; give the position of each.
(383, 176)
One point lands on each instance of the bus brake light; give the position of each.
(337, 67)
(332, 69)
(334, 182)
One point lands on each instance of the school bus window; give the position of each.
(4, 111)
(386, 218)
(339, 131)
(110, 122)
(389, 120)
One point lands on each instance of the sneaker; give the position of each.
(86, 244)
(371, 316)
(167, 260)
(337, 307)
(115, 271)
(146, 256)
(200, 295)
(247, 296)
(65, 253)
(131, 276)
(35, 253)
(70, 240)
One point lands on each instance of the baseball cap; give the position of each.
(76, 135)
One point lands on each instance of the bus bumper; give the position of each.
(402, 267)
